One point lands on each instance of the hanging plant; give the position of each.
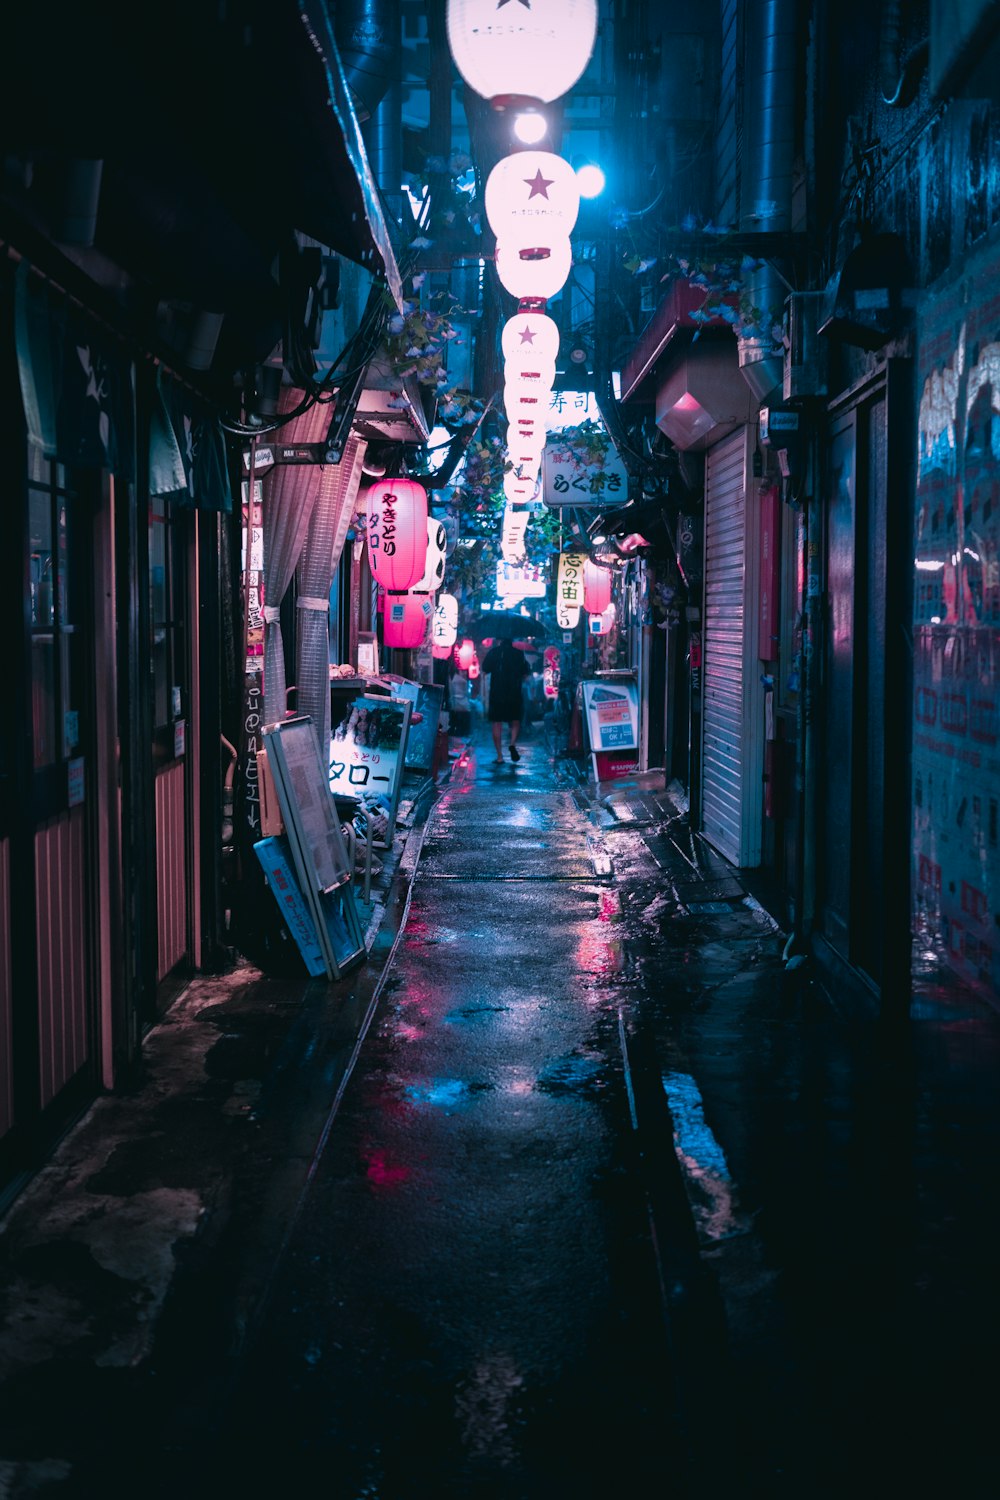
(589, 443)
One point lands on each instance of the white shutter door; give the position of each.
(724, 727)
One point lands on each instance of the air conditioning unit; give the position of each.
(805, 352)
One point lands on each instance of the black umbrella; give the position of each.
(506, 626)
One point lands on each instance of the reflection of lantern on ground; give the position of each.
(531, 198)
(596, 588)
(540, 272)
(535, 54)
(464, 654)
(405, 620)
(445, 627)
(397, 532)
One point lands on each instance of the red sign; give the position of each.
(612, 765)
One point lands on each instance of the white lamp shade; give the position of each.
(397, 532)
(529, 341)
(531, 198)
(525, 274)
(444, 627)
(405, 620)
(517, 490)
(569, 589)
(596, 588)
(437, 546)
(601, 624)
(537, 382)
(519, 402)
(465, 655)
(535, 51)
(512, 534)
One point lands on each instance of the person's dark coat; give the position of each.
(507, 668)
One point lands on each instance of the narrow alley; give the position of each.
(573, 1190)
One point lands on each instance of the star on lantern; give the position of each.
(527, 337)
(538, 185)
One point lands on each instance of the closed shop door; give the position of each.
(733, 708)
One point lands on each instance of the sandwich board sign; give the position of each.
(612, 710)
(367, 753)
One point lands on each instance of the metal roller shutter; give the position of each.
(730, 818)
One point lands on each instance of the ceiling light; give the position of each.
(531, 128)
(590, 180)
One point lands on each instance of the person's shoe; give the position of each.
(515, 753)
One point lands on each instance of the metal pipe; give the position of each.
(369, 42)
(769, 147)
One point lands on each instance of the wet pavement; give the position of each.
(573, 1189)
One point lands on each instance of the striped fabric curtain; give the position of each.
(331, 519)
(290, 493)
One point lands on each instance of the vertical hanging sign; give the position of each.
(569, 589)
(253, 638)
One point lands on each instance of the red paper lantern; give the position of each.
(406, 619)
(397, 532)
(596, 588)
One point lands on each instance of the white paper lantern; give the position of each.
(569, 589)
(519, 402)
(601, 624)
(537, 382)
(512, 534)
(437, 546)
(518, 490)
(531, 198)
(513, 50)
(528, 273)
(529, 340)
(444, 626)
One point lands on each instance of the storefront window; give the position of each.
(56, 670)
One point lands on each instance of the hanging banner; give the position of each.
(569, 589)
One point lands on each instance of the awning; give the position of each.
(245, 106)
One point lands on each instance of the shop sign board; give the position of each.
(367, 754)
(612, 710)
(567, 480)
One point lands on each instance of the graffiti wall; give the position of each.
(956, 637)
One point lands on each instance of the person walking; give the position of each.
(506, 667)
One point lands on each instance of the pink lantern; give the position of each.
(474, 668)
(397, 532)
(538, 53)
(531, 198)
(596, 588)
(527, 338)
(601, 624)
(464, 654)
(405, 620)
(440, 653)
(536, 271)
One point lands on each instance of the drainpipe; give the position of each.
(766, 172)
(369, 42)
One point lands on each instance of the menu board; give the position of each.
(367, 751)
(427, 701)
